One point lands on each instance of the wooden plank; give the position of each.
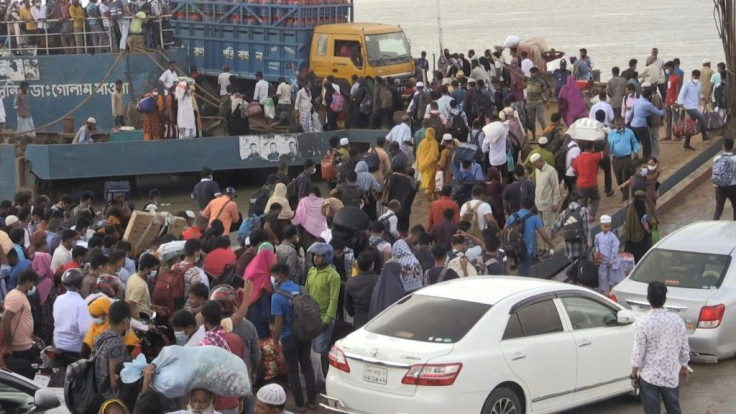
(144, 227)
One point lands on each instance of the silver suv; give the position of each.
(695, 264)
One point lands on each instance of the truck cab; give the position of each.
(364, 49)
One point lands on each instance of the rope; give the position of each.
(214, 101)
(84, 101)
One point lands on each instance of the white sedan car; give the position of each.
(486, 345)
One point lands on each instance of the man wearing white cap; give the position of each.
(417, 106)
(546, 193)
(84, 135)
(271, 399)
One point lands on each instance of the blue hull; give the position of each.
(59, 83)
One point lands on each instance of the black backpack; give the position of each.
(561, 158)
(366, 104)
(573, 231)
(306, 323)
(458, 128)
(387, 229)
(257, 203)
(480, 101)
(352, 195)
(513, 238)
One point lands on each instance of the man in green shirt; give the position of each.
(537, 91)
(323, 284)
(546, 154)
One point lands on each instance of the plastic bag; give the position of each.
(511, 42)
(439, 180)
(181, 369)
(626, 261)
(269, 109)
(273, 361)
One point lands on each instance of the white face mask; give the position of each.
(652, 167)
(181, 338)
(644, 172)
(98, 321)
(152, 274)
(31, 291)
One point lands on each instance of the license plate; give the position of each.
(375, 375)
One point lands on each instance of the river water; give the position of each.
(613, 31)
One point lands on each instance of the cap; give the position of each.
(151, 207)
(447, 137)
(563, 61)
(605, 219)
(706, 61)
(460, 74)
(543, 140)
(471, 80)
(190, 214)
(272, 394)
(535, 157)
(420, 84)
(10, 220)
(231, 190)
(344, 142)
(646, 85)
(247, 241)
(91, 120)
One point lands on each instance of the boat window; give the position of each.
(428, 319)
(682, 269)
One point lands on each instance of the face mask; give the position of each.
(644, 172)
(667, 71)
(152, 275)
(98, 321)
(274, 283)
(181, 338)
(155, 94)
(31, 291)
(652, 167)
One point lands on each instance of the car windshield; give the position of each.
(428, 319)
(682, 269)
(387, 49)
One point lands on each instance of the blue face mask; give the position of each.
(644, 171)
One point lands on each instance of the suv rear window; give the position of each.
(428, 319)
(682, 269)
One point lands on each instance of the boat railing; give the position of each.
(98, 35)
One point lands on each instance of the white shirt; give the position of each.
(605, 107)
(444, 104)
(526, 67)
(71, 321)
(496, 150)
(660, 348)
(61, 257)
(401, 133)
(573, 150)
(284, 93)
(168, 78)
(392, 222)
(223, 80)
(480, 210)
(260, 94)
(39, 15)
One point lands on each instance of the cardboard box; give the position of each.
(145, 226)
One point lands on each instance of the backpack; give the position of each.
(352, 195)
(719, 95)
(513, 238)
(722, 171)
(440, 278)
(471, 216)
(480, 158)
(458, 128)
(338, 102)
(480, 101)
(573, 230)
(80, 387)
(456, 265)
(366, 104)
(587, 272)
(343, 169)
(328, 166)
(248, 225)
(291, 194)
(561, 158)
(386, 98)
(422, 102)
(372, 160)
(306, 323)
(257, 203)
(146, 105)
(387, 229)
(396, 100)
(168, 291)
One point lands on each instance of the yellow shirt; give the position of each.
(77, 15)
(136, 291)
(25, 14)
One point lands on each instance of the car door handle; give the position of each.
(517, 356)
(584, 342)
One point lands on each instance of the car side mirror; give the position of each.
(625, 317)
(45, 399)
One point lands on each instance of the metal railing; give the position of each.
(98, 35)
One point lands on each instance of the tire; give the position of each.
(502, 401)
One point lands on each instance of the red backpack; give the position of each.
(329, 165)
(168, 291)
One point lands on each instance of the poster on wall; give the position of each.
(18, 70)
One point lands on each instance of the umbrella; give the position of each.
(586, 129)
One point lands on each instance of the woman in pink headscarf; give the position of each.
(570, 102)
(42, 266)
(259, 273)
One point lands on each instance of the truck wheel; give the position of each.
(502, 401)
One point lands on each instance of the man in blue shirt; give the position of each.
(639, 123)
(296, 352)
(690, 96)
(561, 75)
(532, 226)
(466, 174)
(624, 147)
